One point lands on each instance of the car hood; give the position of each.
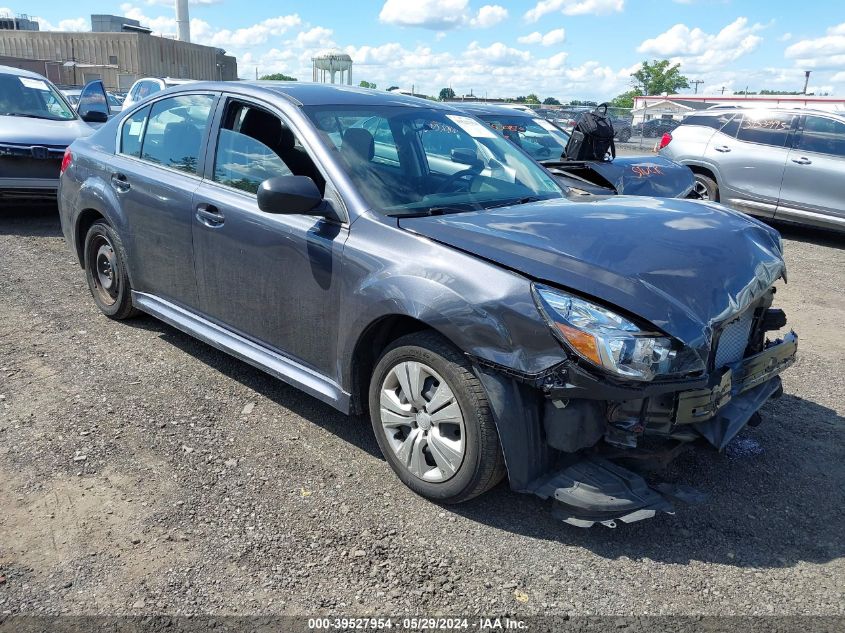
(682, 265)
(25, 131)
(633, 175)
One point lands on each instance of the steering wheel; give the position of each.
(450, 182)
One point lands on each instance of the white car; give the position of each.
(150, 85)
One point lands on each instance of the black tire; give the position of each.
(705, 188)
(483, 465)
(104, 249)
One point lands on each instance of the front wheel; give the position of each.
(432, 420)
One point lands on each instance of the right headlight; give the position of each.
(613, 342)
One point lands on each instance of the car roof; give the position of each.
(307, 93)
(720, 110)
(11, 70)
(481, 109)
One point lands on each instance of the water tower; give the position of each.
(327, 64)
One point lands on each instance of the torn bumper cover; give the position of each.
(585, 487)
(719, 413)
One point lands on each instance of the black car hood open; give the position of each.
(633, 175)
(683, 265)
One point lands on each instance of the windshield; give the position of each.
(540, 138)
(33, 98)
(410, 160)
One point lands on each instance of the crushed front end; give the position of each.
(589, 433)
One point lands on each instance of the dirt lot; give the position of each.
(142, 471)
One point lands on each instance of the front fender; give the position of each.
(497, 322)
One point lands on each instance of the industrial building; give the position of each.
(117, 50)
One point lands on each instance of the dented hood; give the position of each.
(683, 265)
(633, 175)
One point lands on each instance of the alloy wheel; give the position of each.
(701, 190)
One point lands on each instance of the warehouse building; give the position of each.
(116, 50)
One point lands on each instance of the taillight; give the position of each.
(66, 161)
(667, 138)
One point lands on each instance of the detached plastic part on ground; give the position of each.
(595, 490)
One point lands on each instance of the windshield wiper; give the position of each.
(432, 211)
(32, 116)
(516, 202)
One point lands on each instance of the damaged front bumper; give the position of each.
(551, 428)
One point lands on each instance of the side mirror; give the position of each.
(94, 116)
(291, 195)
(465, 156)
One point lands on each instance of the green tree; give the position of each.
(578, 102)
(446, 93)
(532, 98)
(550, 101)
(626, 99)
(367, 84)
(277, 77)
(659, 77)
(393, 88)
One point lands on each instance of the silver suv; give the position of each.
(784, 164)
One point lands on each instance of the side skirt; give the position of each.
(275, 364)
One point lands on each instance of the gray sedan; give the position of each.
(777, 164)
(489, 326)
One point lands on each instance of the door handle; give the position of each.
(802, 161)
(120, 182)
(722, 148)
(209, 215)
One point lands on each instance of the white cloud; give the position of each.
(440, 15)
(551, 38)
(71, 24)
(497, 53)
(573, 7)
(826, 52)
(489, 15)
(203, 33)
(785, 37)
(698, 51)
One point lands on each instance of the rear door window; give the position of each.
(823, 136)
(132, 132)
(766, 128)
(175, 130)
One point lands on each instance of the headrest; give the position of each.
(359, 142)
(268, 129)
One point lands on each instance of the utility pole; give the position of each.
(696, 83)
(723, 90)
(806, 80)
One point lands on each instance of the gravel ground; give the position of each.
(144, 472)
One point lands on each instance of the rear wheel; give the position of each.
(432, 420)
(105, 271)
(705, 188)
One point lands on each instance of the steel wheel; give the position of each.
(106, 273)
(422, 421)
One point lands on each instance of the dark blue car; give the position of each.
(398, 257)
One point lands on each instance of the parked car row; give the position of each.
(404, 259)
(545, 143)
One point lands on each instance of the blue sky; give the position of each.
(563, 48)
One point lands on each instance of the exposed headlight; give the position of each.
(613, 342)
